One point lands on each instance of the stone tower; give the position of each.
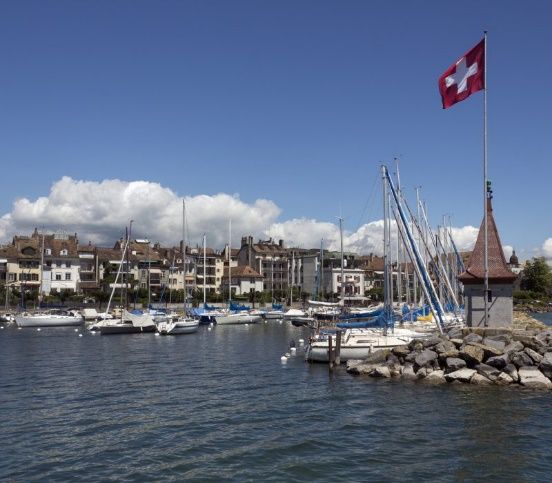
(501, 280)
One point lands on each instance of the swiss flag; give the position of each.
(464, 77)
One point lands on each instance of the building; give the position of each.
(244, 280)
(501, 279)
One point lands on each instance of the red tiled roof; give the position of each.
(498, 269)
(243, 271)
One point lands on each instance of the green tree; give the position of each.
(537, 276)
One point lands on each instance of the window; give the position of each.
(63, 252)
(11, 277)
(68, 276)
(58, 276)
(47, 251)
(68, 264)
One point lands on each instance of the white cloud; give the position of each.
(100, 211)
(547, 248)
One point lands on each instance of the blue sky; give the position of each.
(297, 102)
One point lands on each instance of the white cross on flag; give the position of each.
(464, 77)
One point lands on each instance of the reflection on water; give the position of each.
(219, 405)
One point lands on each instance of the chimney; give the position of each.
(281, 243)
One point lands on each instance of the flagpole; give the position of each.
(485, 184)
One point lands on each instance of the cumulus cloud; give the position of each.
(100, 211)
(547, 248)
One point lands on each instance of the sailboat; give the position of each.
(52, 318)
(184, 324)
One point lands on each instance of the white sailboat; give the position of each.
(184, 324)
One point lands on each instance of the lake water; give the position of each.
(545, 317)
(219, 406)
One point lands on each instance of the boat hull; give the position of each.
(237, 319)
(178, 328)
(48, 321)
(125, 329)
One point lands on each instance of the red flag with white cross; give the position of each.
(464, 77)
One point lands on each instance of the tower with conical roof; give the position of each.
(501, 280)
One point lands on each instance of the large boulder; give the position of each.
(454, 364)
(436, 377)
(457, 342)
(401, 350)
(412, 356)
(533, 378)
(377, 357)
(487, 371)
(511, 370)
(506, 338)
(425, 357)
(455, 334)
(408, 371)
(497, 344)
(461, 375)
(473, 355)
(444, 346)
(416, 345)
(480, 380)
(450, 353)
(431, 341)
(473, 338)
(546, 365)
(381, 371)
(359, 367)
(537, 358)
(488, 351)
(514, 346)
(532, 342)
(504, 379)
(499, 361)
(521, 359)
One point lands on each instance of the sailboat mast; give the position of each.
(41, 292)
(229, 261)
(342, 269)
(184, 252)
(204, 270)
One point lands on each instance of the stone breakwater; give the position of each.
(482, 357)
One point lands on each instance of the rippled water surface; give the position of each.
(219, 405)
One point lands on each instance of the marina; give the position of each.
(220, 402)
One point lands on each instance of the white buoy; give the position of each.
(210, 324)
(283, 359)
(301, 342)
(266, 322)
(247, 325)
(288, 354)
(293, 351)
(209, 328)
(2, 327)
(76, 330)
(38, 329)
(156, 334)
(281, 321)
(19, 328)
(80, 335)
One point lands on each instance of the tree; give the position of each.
(537, 276)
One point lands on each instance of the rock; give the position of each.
(422, 372)
(545, 336)
(473, 355)
(444, 346)
(377, 357)
(416, 345)
(436, 377)
(515, 346)
(462, 375)
(473, 338)
(537, 358)
(499, 361)
(394, 368)
(521, 359)
(487, 371)
(546, 365)
(360, 368)
(381, 371)
(408, 372)
(392, 359)
(401, 350)
(431, 341)
(488, 351)
(480, 380)
(506, 338)
(455, 334)
(411, 357)
(425, 357)
(504, 379)
(511, 370)
(453, 363)
(457, 342)
(533, 378)
(531, 341)
(497, 344)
